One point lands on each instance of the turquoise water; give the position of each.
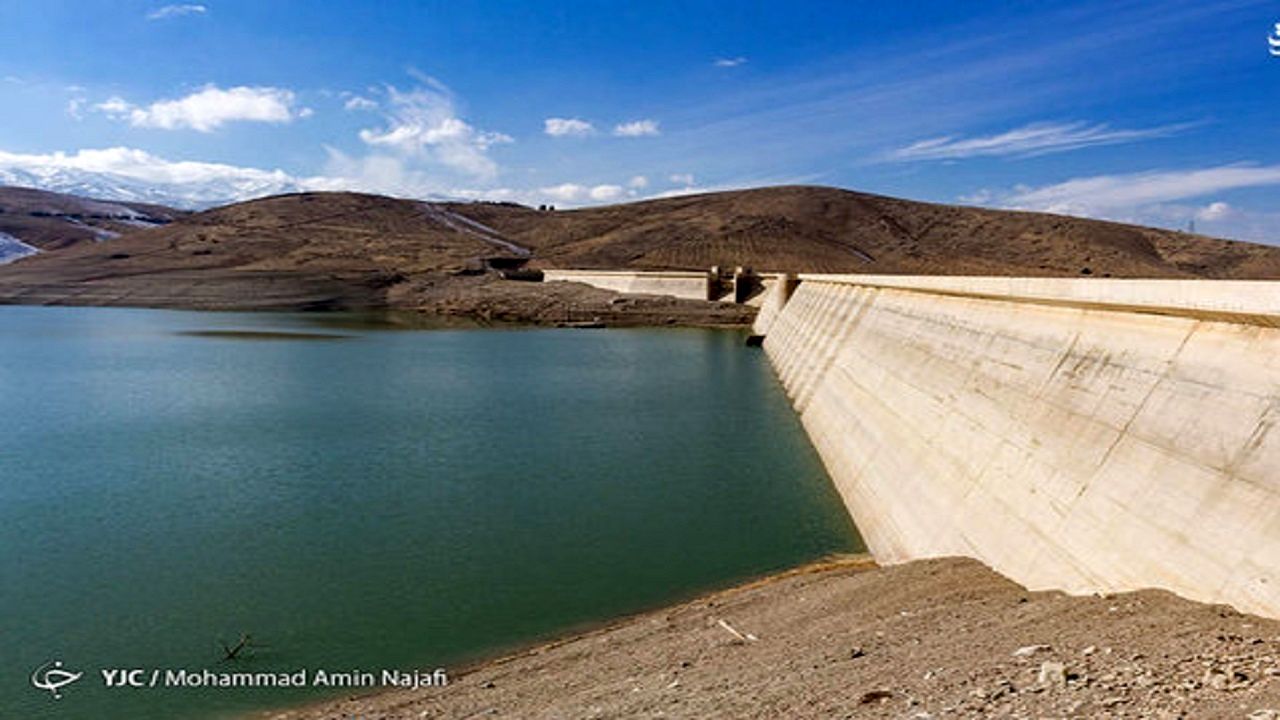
(360, 497)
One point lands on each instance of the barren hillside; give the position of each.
(346, 250)
(820, 229)
(52, 221)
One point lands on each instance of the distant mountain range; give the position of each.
(216, 186)
(190, 195)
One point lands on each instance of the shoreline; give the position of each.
(857, 562)
(396, 318)
(931, 638)
(481, 299)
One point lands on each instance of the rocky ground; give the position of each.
(931, 639)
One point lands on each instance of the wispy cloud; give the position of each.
(729, 62)
(75, 108)
(1101, 195)
(1164, 198)
(423, 125)
(209, 108)
(561, 127)
(173, 11)
(1032, 139)
(972, 76)
(637, 128)
(358, 102)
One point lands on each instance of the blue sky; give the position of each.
(1153, 112)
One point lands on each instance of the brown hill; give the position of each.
(820, 229)
(323, 250)
(52, 221)
(292, 251)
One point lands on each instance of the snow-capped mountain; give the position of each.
(126, 174)
(189, 195)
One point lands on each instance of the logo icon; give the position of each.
(50, 676)
(1273, 40)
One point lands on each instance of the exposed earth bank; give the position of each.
(929, 639)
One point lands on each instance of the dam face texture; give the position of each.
(1083, 435)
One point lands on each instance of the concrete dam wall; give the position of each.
(1084, 435)
(740, 285)
(688, 285)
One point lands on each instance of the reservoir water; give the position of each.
(359, 497)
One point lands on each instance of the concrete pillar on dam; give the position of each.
(1083, 435)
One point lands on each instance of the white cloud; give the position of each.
(114, 106)
(1032, 139)
(638, 182)
(1102, 195)
(134, 163)
(682, 178)
(729, 62)
(123, 173)
(1214, 211)
(604, 193)
(423, 124)
(209, 108)
(560, 127)
(1156, 198)
(377, 173)
(1216, 219)
(569, 192)
(357, 102)
(172, 11)
(637, 128)
(572, 194)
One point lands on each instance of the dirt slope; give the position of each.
(931, 639)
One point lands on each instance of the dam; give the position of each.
(1086, 435)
